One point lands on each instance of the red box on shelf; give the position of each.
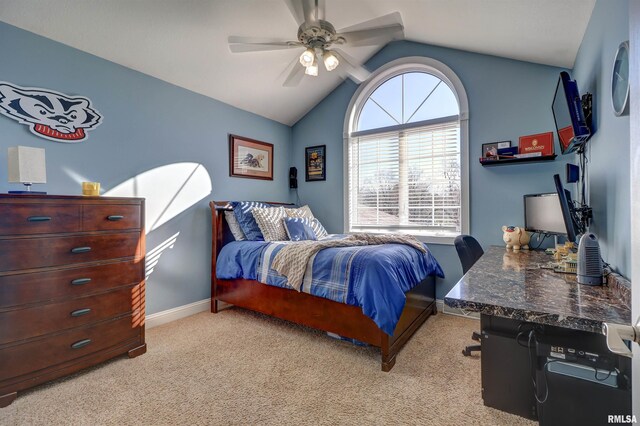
(541, 142)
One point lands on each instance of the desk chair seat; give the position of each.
(469, 251)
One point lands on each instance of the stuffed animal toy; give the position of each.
(516, 238)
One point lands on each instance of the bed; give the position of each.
(313, 311)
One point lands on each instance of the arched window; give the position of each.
(406, 136)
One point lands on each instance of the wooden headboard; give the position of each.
(220, 233)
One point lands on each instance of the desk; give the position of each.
(512, 293)
(512, 285)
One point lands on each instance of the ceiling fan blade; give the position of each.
(295, 73)
(306, 11)
(321, 7)
(238, 44)
(381, 21)
(374, 31)
(373, 36)
(357, 73)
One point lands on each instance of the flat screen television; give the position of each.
(568, 114)
(566, 207)
(543, 214)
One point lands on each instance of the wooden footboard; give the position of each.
(318, 312)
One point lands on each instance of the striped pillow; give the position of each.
(303, 211)
(234, 226)
(242, 211)
(315, 224)
(318, 228)
(270, 222)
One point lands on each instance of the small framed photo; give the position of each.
(491, 149)
(315, 163)
(249, 158)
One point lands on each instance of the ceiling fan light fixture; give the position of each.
(331, 61)
(308, 57)
(312, 69)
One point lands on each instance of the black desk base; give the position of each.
(516, 356)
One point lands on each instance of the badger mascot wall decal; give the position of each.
(49, 114)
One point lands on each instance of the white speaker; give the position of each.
(589, 261)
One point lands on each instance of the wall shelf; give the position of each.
(491, 163)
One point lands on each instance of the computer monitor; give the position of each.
(543, 214)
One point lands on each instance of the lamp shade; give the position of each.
(27, 165)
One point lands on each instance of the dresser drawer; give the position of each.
(22, 219)
(26, 253)
(107, 217)
(37, 287)
(49, 351)
(26, 323)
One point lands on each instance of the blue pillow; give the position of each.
(248, 224)
(299, 228)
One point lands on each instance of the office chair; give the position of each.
(469, 251)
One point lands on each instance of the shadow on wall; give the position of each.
(168, 191)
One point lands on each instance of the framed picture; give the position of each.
(491, 149)
(249, 158)
(315, 163)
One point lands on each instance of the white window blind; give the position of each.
(406, 179)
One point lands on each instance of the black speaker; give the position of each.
(293, 178)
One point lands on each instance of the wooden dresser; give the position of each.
(71, 285)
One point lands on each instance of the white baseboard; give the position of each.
(455, 311)
(177, 313)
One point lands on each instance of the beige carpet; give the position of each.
(238, 367)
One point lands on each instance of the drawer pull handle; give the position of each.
(38, 218)
(115, 217)
(81, 281)
(81, 344)
(77, 250)
(80, 312)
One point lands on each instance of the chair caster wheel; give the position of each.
(466, 352)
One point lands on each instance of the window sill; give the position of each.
(425, 237)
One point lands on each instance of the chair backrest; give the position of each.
(469, 251)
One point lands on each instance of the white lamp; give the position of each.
(26, 166)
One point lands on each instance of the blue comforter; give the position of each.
(374, 278)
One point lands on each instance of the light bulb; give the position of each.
(312, 69)
(308, 57)
(330, 61)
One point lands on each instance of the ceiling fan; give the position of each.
(320, 39)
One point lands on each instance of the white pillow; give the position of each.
(270, 222)
(234, 226)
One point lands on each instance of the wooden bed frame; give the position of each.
(313, 311)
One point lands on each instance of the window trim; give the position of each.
(379, 77)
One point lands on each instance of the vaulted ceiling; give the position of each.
(184, 42)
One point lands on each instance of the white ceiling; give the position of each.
(184, 41)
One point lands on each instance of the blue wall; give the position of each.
(507, 99)
(147, 124)
(609, 188)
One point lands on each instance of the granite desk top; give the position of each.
(513, 285)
